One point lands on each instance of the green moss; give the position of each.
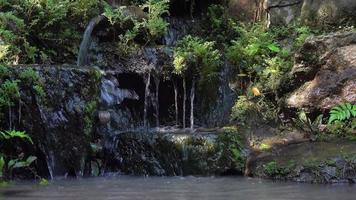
(89, 114)
(273, 169)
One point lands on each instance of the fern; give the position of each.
(342, 112)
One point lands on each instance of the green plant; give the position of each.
(7, 135)
(43, 31)
(342, 112)
(18, 162)
(155, 24)
(273, 169)
(230, 148)
(2, 166)
(218, 26)
(197, 57)
(9, 93)
(306, 124)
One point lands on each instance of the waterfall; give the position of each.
(111, 94)
(157, 82)
(85, 44)
(176, 100)
(147, 95)
(184, 99)
(192, 97)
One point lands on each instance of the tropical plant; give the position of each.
(342, 112)
(306, 124)
(7, 135)
(18, 162)
(155, 24)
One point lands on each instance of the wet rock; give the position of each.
(325, 72)
(60, 123)
(321, 163)
(172, 154)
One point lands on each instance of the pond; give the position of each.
(175, 188)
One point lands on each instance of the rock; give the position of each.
(332, 162)
(60, 123)
(324, 73)
(280, 12)
(328, 12)
(246, 10)
(173, 154)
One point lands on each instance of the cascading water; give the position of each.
(156, 99)
(192, 97)
(85, 44)
(147, 96)
(111, 94)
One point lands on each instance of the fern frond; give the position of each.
(342, 112)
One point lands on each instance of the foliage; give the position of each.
(7, 135)
(272, 169)
(247, 109)
(18, 162)
(197, 57)
(342, 112)
(9, 93)
(31, 78)
(230, 147)
(342, 121)
(115, 15)
(155, 24)
(306, 124)
(218, 26)
(242, 108)
(43, 31)
(89, 115)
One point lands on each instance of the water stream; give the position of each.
(85, 44)
(175, 188)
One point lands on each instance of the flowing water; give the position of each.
(176, 188)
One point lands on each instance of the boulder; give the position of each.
(324, 73)
(328, 12)
(281, 12)
(175, 153)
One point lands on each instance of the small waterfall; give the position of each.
(85, 44)
(147, 95)
(111, 94)
(156, 101)
(184, 99)
(192, 97)
(176, 101)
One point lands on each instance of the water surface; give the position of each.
(176, 188)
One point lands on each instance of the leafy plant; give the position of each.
(2, 166)
(342, 112)
(198, 57)
(155, 24)
(18, 162)
(306, 124)
(15, 134)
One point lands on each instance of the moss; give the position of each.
(89, 114)
(275, 170)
